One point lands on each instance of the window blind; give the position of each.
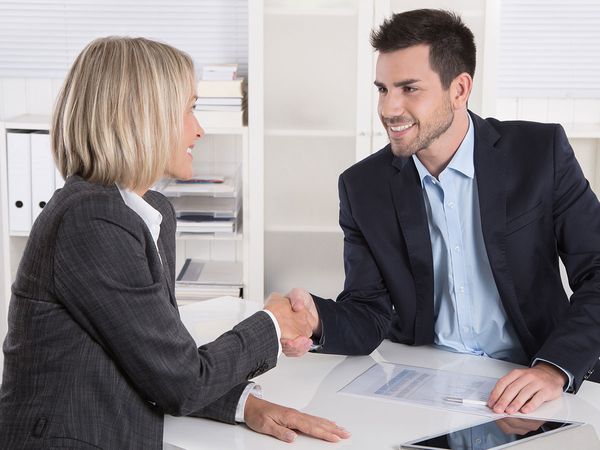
(42, 38)
(549, 48)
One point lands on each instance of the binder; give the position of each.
(18, 157)
(42, 172)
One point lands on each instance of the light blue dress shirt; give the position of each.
(469, 316)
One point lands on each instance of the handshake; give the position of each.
(298, 320)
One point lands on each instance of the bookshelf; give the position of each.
(27, 102)
(221, 147)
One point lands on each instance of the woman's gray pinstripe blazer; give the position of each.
(95, 353)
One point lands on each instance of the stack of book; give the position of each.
(201, 280)
(220, 72)
(221, 97)
(205, 204)
(196, 214)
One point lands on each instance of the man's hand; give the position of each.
(280, 422)
(525, 390)
(301, 300)
(293, 324)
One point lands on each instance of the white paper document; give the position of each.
(428, 387)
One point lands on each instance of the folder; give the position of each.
(18, 157)
(42, 172)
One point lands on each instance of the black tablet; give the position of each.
(493, 434)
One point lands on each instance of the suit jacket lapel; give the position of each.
(410, 211)
(490, 171)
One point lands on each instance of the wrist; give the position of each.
(556, 373)
(252, 404)
(317, 330)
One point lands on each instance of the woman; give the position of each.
(95, 353)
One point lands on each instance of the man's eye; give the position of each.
(409, 89)
(381, 89)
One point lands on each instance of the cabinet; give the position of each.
(222, 151)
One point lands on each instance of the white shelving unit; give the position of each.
(13, 243)
(227, 144)
(311, 68)
(320, 118)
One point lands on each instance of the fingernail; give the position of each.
(290, 436)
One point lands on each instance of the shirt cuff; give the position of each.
(277, 330)
(251, 389)
(569, 385)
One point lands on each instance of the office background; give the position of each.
(311, 101)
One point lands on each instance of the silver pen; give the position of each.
(465, 401)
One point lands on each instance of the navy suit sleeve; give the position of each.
(360, 318)
(575, 343)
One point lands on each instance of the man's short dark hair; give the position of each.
(451, 43)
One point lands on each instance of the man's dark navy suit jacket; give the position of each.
(535, 206)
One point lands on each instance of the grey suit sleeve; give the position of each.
(109, 278)
(220, 409)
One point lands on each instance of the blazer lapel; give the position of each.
(410, 211)
(490, 171)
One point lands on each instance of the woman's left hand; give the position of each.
(281, 422)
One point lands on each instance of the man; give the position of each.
(453, 232)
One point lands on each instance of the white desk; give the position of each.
(311, 383)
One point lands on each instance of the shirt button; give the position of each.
(457, 249)
(450, 204)
(462, 289)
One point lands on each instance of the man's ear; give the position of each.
(460, 90)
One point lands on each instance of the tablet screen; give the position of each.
(489, 435)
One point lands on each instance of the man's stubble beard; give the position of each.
(428, 133)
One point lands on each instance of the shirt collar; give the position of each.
(151, 217)
(462, 161)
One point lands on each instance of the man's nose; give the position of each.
(391, 106)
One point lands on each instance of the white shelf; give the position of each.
(19, 234)
(310, 12)
(303, 229)
(42, 122)
(226, 130)
(226, 189)
(309, 133)
(184, 236)
(29, 122)
(582, 130)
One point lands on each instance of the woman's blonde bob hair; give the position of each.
(120, 111)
